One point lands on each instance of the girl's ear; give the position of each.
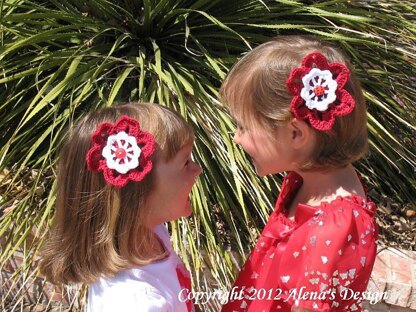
(301, 134)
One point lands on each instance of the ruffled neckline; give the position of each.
(290, 186)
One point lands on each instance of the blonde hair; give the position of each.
(98, 229)
(255, 91)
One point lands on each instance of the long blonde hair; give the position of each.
(98, 229)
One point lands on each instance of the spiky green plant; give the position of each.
(61, 59)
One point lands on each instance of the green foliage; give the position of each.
(61, 59)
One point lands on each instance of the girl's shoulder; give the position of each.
(343, 211)
(343, 203)
(143, 288)
(351, 204)
(125, 293)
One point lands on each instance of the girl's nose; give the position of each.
(198, 169)
(236, 138)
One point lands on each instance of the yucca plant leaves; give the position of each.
(61, 59)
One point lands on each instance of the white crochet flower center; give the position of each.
(121, 152)
(319, 89)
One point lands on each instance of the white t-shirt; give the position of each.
(151, 288)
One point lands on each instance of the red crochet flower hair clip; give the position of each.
(121, 151)
(319, 93)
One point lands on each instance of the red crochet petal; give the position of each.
(323, 123)
(128, 125)
(139, 175)
(115, 180)
(294, 82)
(93, 158)
(148, 142)
(100, 134)
(341, 72)
(298, 107)
(315, 58)
(346, 105)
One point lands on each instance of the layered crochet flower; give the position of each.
(121, 151)
(319, 93)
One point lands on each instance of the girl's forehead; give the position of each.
(245, 116)
(241, 104)
(187, 147)
(185, 150)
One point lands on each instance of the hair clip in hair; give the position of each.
(121, 151)
(319, 93)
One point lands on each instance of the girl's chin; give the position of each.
(259, 171)
(188, 208)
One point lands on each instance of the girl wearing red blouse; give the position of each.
(300, 109)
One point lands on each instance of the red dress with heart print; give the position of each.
(320, 261)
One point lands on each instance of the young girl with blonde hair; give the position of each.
(124, 171)
(300, 109)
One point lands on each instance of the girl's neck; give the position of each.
(157, 246)
(318, 186)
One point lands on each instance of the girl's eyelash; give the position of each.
(188, 160)
(240, 128)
